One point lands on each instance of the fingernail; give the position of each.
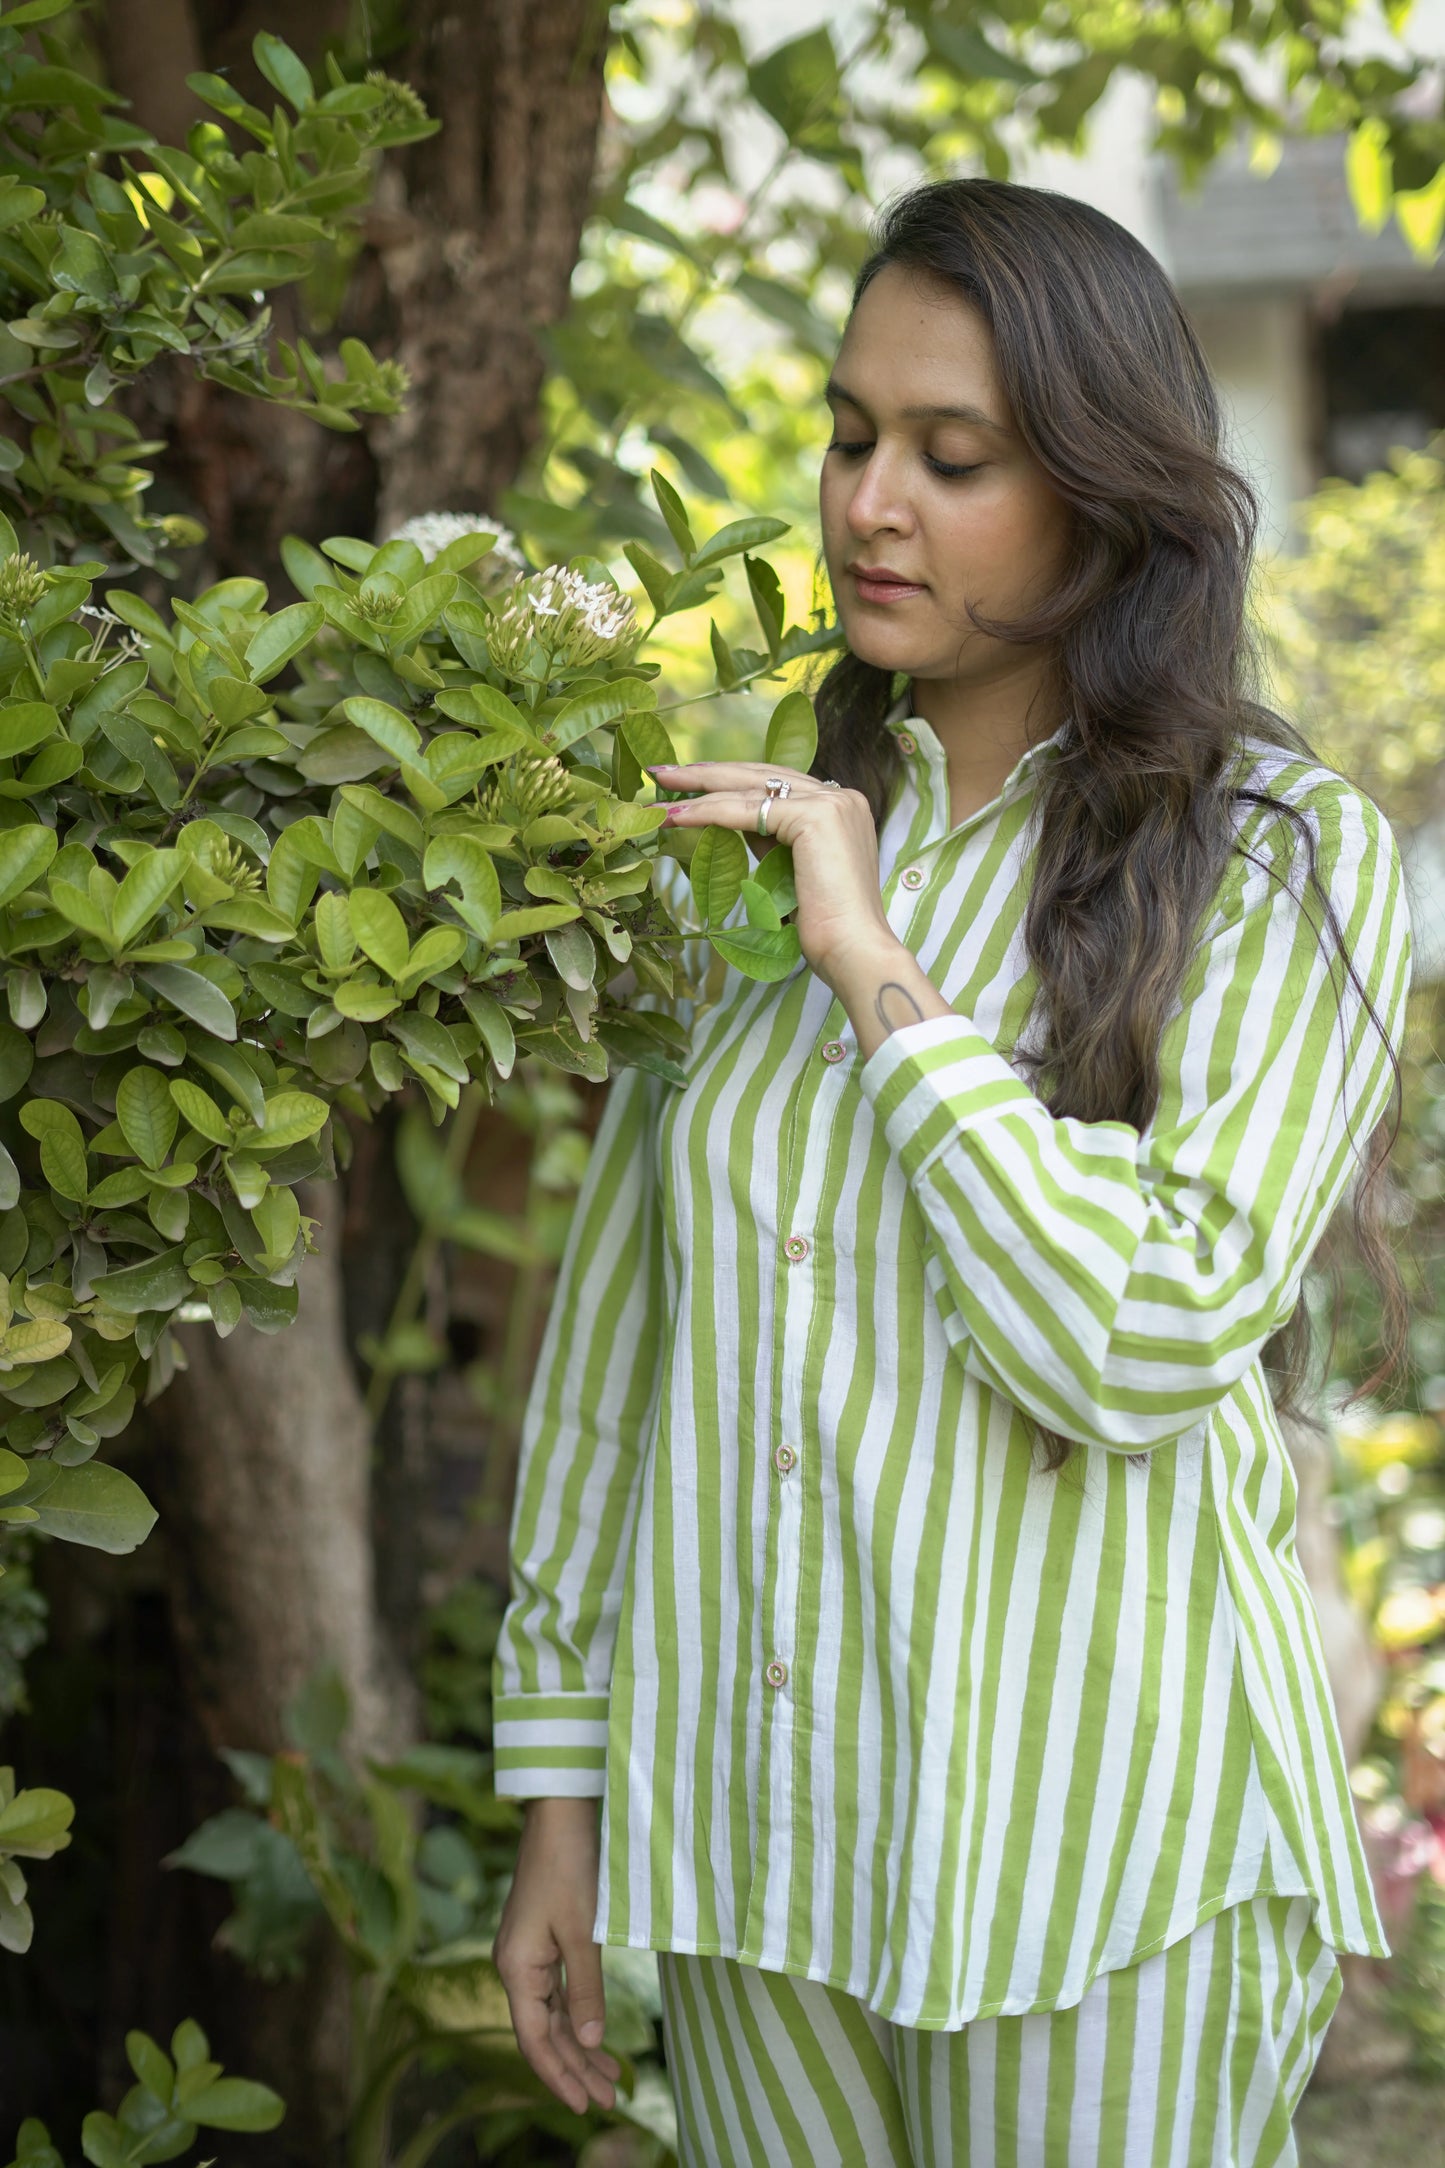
(591, 2033)
(668, 820)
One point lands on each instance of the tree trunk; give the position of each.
(477, 233)
(266, 1500)
(268, 1518)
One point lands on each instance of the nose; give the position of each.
(879, 501)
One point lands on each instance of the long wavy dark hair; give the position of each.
(1151, 663)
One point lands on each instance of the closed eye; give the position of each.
(941, 467)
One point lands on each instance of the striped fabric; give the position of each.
(1196, 2058)
(870, 1698)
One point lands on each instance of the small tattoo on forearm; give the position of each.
(904, 1010)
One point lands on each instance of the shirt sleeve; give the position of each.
(584, 1434)
(1116, 1284)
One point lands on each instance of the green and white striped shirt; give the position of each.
(870, 1698)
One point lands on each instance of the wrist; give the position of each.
(863, 963)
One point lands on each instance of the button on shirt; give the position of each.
(871, 1698)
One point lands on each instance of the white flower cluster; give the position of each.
(432, 532)
(558, 619)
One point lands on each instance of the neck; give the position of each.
(986, 726)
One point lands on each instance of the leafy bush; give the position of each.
(174, 2098)
(259, 864)
(228, 907)
(1356, 627)
(317, 1848)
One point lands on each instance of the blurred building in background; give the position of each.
(1328, 341)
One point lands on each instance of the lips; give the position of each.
(875, 583)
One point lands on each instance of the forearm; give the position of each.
(883, 986)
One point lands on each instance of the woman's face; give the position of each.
(929, 499)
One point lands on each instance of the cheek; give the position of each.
(1002, 543)
(832, 510)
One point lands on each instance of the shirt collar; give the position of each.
(928, 752)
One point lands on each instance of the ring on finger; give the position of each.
(765, 802)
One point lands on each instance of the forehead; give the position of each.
(914, 341)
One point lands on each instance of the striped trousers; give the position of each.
(1193, 2058)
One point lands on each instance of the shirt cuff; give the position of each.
(549, 1746)
(930, 1079)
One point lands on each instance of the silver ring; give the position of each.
(778, 786)
(763, 813)
(829, 784)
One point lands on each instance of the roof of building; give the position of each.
(1296, 227)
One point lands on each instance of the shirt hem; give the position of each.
(1361, 1944)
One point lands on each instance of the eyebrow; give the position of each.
(836, 391)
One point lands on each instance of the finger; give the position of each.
(585, 2003)
(739, 809)
(583, 2064)
(714, 775)
(595, 2070)
(532, 2023)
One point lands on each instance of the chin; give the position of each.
(884, 648)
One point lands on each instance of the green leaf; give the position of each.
(462, 859)
(97, 1506)
(25, 723)
(437, 950)
(574, 955)
(968, 53)
(774, 874)
(147, 1114)
(648, 739)
(761, 909)
(516, 925)
(62, 1146)
(104, 2143)
(380, 929)
(194, 995)
(767, 596)
(365, 1002)
(495, 1026)
(82, 910)
(9, 1181)
(717, 870)
(151, 2065)
(277, 1220)
(144, 889)
(386, 725)
(797, 83)
(156, 1283)
(674, 512)
(34, 1824)
(287, 72)
(757, 953)
(737, 536)
(236, 2104)
(189, 2045)
(590, 710)
(792, 740)
(429, 1042)
(290, 1117)
(200, 1111)
(24, 855)
(135, 743)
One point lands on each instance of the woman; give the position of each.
(986, 1803)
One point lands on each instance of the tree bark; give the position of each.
(477, 232)
(268, 1519)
